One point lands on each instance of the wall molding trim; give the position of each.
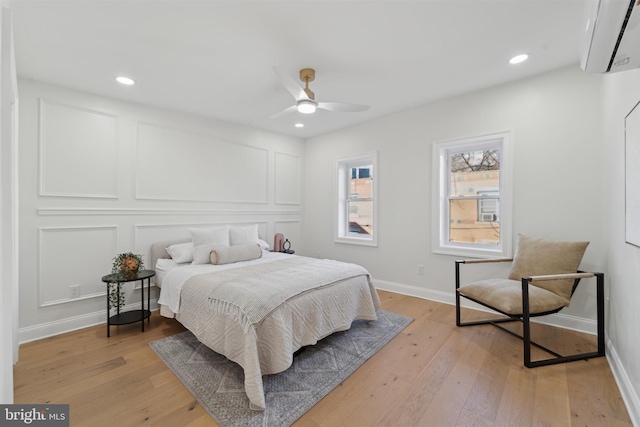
(629, 396)
(280, 178)
(42, 253)
(57, 327)
(160, 211)
(42, 191)
(68, 300)
(172, 138)
(564, 321)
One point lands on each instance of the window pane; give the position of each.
(356, 203)
(474, 172)
(465, 227)
(360, 183)
(360, 217)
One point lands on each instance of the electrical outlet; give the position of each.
(74, 291)
(420, 269)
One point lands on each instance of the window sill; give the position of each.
(356, 241)
(472, 252)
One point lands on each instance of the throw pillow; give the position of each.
(181, 252)
(235, 254)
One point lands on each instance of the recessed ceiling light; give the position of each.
(125, 80)
(299, 125)
(518, 59)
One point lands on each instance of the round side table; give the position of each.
(130, 316)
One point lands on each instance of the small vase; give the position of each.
(129, 268)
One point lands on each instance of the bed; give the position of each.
(316, 298)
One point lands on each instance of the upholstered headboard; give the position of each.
(159, 250)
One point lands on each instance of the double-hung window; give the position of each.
(356, 200)
(472, 196)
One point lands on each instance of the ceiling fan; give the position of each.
(305, 98)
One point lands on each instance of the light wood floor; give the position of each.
(431, 374)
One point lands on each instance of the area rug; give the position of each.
(218, 384)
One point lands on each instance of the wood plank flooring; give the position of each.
(431, 374)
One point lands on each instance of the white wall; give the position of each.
(8, 208)
(621, 93)
(100, 177)
(558, 180)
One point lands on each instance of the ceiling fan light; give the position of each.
(306, 107)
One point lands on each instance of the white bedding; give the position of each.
(175, 275)
(163, 266)
(268, 346)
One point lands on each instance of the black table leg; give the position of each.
(108, 317)
(149, 299)
(142, 304)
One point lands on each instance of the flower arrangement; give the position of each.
(125, 265)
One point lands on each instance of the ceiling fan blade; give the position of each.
(285, 111)
(341, 107)
(290, 84)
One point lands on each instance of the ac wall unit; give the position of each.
(611, 40)
(488, 217)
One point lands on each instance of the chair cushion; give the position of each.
(535, 257)
(506, 296)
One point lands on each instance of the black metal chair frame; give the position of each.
(526, 315)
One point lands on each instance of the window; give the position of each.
(356, 200)
(472, 196)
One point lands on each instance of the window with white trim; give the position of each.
(356, 200)
(472, 196)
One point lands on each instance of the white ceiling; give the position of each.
(215, 58)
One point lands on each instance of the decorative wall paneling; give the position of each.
(99, 177)
(78, 152)
(160, 211)
(174, 164)
(287, 184)
(63, 261)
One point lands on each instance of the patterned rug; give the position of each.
(218, 384)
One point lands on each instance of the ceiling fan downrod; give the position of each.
(308, 75)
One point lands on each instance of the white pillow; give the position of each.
(207, 239)
(243, 235)
(263, 245)
(181, 252)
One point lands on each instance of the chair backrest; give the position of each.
(536, 257)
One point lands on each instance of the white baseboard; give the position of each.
(560, 320)
(49, 329)
(627, 390)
